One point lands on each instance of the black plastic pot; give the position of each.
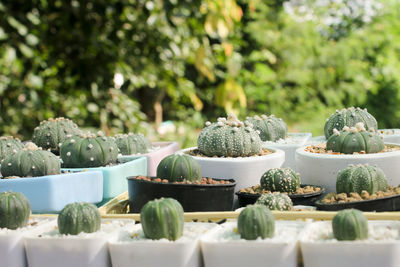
(391, 203)
(193, 197)
(297, 199)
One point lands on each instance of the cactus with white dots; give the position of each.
(130, 143)
(280, 180)
(30, 163)
(271, 128)
(349, 117)
(51, 133)
(275, 201)
(229, 137)
(8, 145)
(355, 139)
(88, 150)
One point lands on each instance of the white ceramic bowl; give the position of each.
(382, 248)
(322, 169)
(142, 252)
(222, 247)
(390, 135)
(289, 146)
(246, 171)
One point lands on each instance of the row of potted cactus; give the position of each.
(79, 237)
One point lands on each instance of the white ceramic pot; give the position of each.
(51, 249)
(382, 248)
(289, 146)
(223, 247)
(160, 151)
(322, 169)
(12, 246)
(126, 251)
(246, 171)
(391, 135)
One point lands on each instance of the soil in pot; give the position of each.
(321, 149)
(205, 195)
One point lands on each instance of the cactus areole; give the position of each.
(80, 217)
(14, 210)
(275, 201)
(30, 163)
(8, 145)
(88, 151)
(52, 133)
(130, 143)
(256, 221)
(357, 178)
(349, 117)
(355, 139)
(229, 138)
(350, 224)
(177, 168)
(271, 128)
(281, 180)
(162, 218)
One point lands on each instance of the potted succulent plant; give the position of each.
(78, 238)
(40, 180)
(50, 134)
(363, 187)
(100, 153)
(232, 149)
(163, 233)
(274, 134)
(255, 239)
(134, 145)
(349, 240)
(179, 176)
(320, 164)
(281, 180)
(14, 224)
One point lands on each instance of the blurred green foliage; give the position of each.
(196, 60)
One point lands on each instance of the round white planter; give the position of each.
(391, 135)
(289, 146)
(322, 169)
(246, 171)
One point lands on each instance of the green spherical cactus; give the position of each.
(130, 144)
(355, 139)
(8, 145)
(177, 168)
(229, 138)
(349, 117)
(271, 128)
(88, 150)
(51, 133)
(14, 210)
(162, 218)
(350, 224)
(275, 201)
(79, 217)
(281, 180)
(30, 163)
(361, 177)
(256, 221)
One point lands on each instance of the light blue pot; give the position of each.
(49, 194)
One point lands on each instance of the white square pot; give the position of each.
(126, 251)
(12, 246)
(289, 145)
(50, 249)
(246, 171)
(382, 248)
(223, 247)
